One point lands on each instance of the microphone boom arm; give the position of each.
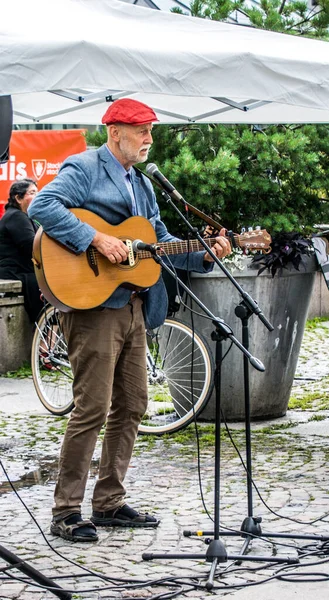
(166, 186)
(221, 327)
(250, 303)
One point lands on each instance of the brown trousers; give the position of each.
(108, 357)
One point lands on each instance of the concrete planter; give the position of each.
(15, 327)
(284, 300)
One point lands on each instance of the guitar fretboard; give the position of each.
(179, 247)
(251, 240)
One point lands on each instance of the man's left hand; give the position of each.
(221, 248)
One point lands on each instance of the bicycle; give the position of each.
(172, 374)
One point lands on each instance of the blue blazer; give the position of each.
(89, 180)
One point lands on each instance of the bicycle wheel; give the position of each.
(180, 377)
(51, 369)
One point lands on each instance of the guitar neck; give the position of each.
(179, 247)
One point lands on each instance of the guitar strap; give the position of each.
(192, 208)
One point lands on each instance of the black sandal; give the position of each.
(74, 529)
(124, 516)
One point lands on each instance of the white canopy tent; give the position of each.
(66, 68)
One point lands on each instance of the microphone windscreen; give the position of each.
(151, 168)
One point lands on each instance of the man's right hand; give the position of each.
(111, 247)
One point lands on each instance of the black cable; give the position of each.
(104, 578)
(170, 594)
(170, 581)
(281, 516)
(88, 571)
(233, 443)
(192, 312)
(161, 595)
(197, 435)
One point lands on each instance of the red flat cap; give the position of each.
(129, 111)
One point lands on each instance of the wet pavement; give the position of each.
(289, 466)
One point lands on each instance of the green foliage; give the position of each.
(318, 418)
(289, 16)
(314, 323)
(96, 138)
(214, 9)
(21, 373)
(276, 177)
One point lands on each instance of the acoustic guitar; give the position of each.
(83, 281)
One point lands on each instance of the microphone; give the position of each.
(255, 362)
(139, 245)
(152, 169)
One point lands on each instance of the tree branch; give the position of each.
(306, 20)
(282, 7)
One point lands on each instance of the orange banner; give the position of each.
(38, 155)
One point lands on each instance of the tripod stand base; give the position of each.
(250, 529)
(216, 554)
(265, 534)
(216, 550)
(251, 525)
(283, 560)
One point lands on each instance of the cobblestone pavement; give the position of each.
(290, 469)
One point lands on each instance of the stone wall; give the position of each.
(319, 304)
(15, 327)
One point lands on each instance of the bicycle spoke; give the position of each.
(51, 368)
(182, 378)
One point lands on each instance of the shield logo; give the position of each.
(39, 166)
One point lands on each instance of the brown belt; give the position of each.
(133, 296)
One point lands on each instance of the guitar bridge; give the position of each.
(92, 260)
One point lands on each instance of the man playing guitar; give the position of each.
(106, 343)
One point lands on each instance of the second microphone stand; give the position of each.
(216, 552)
(251, 528)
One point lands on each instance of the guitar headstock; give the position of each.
(210, 232)
(254, 239)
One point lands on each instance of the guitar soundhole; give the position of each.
(128, 264)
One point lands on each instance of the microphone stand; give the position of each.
(42, 580)
(216, 552)
(250, 527)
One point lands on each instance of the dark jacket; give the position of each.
(17, 233)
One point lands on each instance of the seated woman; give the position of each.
(17, 233)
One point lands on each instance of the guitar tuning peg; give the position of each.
(243, 229)
(257, 228)
(249, 228)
